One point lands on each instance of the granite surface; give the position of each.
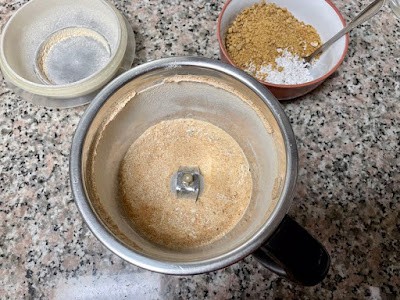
(348, 192)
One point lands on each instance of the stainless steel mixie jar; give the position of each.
(230, 99)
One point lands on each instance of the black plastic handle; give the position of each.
(292, 252)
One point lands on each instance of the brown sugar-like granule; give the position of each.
(145, 175)
(260, 33)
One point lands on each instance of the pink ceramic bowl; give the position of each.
(321, 14)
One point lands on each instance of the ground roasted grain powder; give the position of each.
(261, 32)
(152, 160)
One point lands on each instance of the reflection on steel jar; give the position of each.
(395, 6)
(203, 89)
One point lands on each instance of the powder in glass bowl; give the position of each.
(268, 42)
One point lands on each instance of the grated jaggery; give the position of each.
(260, 33)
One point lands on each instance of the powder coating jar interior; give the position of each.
(153, 94)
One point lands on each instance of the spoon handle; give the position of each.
(363, 16)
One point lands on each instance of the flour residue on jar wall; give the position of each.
(131, 112)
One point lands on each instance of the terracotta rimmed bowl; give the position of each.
(323, 15)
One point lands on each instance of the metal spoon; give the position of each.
(363, 16)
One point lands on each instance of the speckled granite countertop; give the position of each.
(348, 134)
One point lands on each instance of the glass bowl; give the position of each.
(61, 53)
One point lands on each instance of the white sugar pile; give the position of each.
(290, 69)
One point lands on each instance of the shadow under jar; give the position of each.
(195, 91)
